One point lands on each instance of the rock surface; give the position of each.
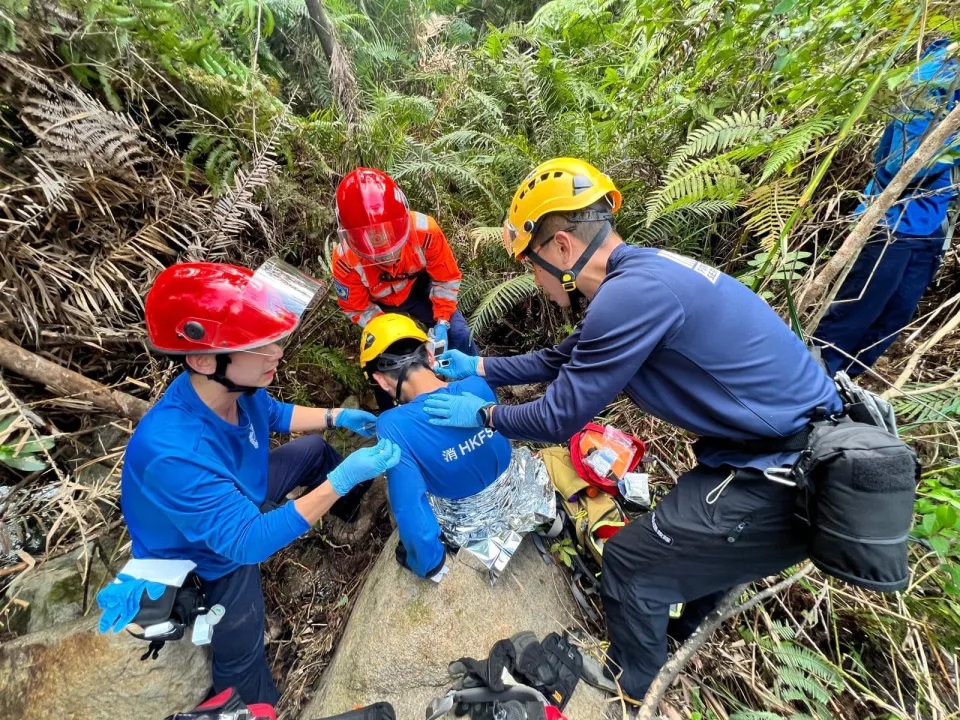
(72, 672)
(404, 631)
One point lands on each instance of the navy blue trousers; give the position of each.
(419, 307)
(876, 301)
(239, 658)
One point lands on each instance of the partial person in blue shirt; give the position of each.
(880, 295)
(445, 462)
(688, 344)
(199, 479)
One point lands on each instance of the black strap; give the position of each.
(569, 277)
(153, 649)
(757, 446)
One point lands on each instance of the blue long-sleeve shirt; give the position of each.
(192, 483)
(919, 215)
(688, 344)
(446, 462)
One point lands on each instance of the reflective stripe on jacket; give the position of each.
(364, 288)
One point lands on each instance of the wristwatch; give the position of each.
(485, 416)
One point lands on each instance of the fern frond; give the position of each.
(721, 134)
(711, 179)
(486, 234)
(445, 168)
(797, 685)
(75, 129)
(230, 211)
(788, 149)
(500, 299)
(768, 208)
(926, 407)
(790, 655)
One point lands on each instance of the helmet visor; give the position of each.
(511, 238)
(285, 284)
(378, 242)
(268, 309)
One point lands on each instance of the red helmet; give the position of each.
(373, 215)
(204, 308)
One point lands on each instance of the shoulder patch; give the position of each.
(343, 292)
(710, 273)
(422, 221)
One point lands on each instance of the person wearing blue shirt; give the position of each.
(880, 295)
(199, 479)
(444, 462)
(688, 344)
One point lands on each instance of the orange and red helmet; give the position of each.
(199, 308)
(373, 215)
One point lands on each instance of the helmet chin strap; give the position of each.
(220, 375)
(568, 278)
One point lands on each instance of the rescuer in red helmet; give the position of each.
(200, 482)
(393, 259)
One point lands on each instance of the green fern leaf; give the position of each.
(768, 208)
(788, 149)
(501, 298)
(926, 407)
(721, 134)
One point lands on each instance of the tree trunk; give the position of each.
(342, 80)
(66, 382)
(851, 247)
(321, 26)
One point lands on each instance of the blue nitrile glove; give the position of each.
(121, 601)
(456, 365)
(364, 464)
(455, 410)
(359, 421)
(440, 333)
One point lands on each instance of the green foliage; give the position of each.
(788, 268)
(498, 300)
(924, 405)
(21, 448)
(938, 521)
(564, 551)
(333, 362)
(801, 674)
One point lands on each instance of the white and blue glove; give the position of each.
(455, 410)
(364, 464)
(439, 334)
(359, 421)
(456, 365)
(120, 601)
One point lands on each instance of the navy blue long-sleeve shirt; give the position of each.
(192, 483)
(688, 344)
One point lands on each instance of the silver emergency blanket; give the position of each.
(490, 525)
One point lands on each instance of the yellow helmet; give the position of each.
(559, 185)
(383, 331)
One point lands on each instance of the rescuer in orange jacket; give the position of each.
(392, 259)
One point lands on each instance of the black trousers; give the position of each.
(702, 538)
(239, 658)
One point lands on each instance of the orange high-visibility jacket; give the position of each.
(362, 287)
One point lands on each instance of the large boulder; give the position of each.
(55, 592)
(404, 632)
(72, 672)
